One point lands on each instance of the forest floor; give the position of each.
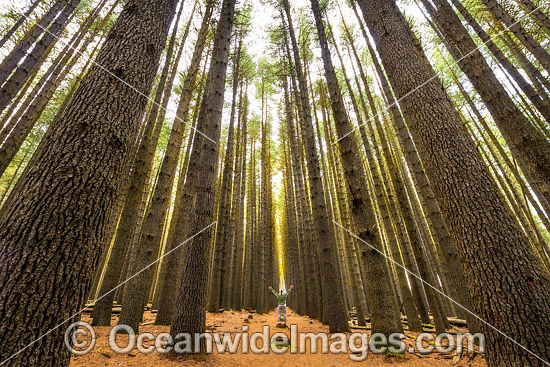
(230, 321)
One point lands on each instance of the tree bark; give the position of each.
(471, 204)
(50, 239)
(190, 315)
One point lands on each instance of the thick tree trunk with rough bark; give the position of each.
(125, 239)
(471, 204)
(51, 239)
(223, 244)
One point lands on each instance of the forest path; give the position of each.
(231, 321)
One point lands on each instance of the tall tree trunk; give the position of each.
(302, 217)
(470, 202)
(143, 253)
(237, 280)
(254, 237)
(123, 250)
(303, 211)
(190, 315)
(70, 190)
(222, 245)
(186, 180)
(266, 206)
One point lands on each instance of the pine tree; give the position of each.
(384, 311)
(190, 315)
(471, 205)
(70, 189)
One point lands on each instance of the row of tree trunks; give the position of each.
(20, 21)
(383, 304)
(530, 147)
(136, 290)
(160, 202)
(333, 308)
(23, 70)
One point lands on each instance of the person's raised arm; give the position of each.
(290, 290)
(273, 291)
